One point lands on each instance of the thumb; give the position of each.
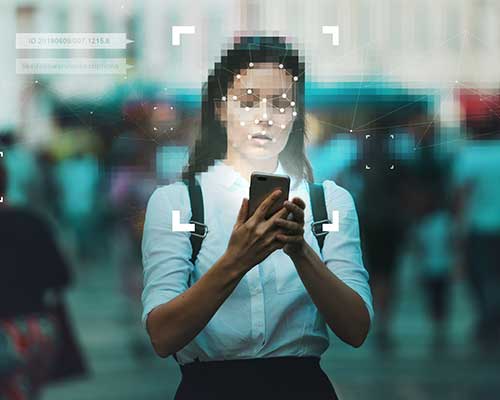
(243, 213)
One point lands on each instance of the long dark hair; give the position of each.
(212, 143)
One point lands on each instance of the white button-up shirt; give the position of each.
(269, 313)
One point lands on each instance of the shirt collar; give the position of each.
(225, 175)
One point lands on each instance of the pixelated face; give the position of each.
(259, 110)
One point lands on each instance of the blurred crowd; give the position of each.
(390, 116)
(420, 198)
(70, 202)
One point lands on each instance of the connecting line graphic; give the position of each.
(136, 93)
(463, 36)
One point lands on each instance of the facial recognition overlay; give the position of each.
(397, 102)
(253, 103)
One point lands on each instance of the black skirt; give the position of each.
(257, 378)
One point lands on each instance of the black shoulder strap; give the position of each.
(197, 216)
(318, 206)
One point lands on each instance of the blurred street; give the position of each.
(411, 371)
(396, 102)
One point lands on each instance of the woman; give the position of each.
(249, 317)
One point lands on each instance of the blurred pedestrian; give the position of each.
(477, 181)
(77, 179)
(32, 269)
(435, 245)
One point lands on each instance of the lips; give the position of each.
(261, 136)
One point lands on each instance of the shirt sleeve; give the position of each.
(165, 254)
(342, 250)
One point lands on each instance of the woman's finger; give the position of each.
(289, 225)
(261, 211)
(281, 213)
(289, 238)
(299, 202)
(243, 213)
(298, 213)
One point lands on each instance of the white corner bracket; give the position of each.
(176, 223)
(334, 31)
(335, 225)
(178, 30)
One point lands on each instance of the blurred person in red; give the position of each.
(32, 268)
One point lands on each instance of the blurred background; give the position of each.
(403, 109)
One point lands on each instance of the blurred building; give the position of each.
(427, 43)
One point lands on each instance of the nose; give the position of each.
(265, 112)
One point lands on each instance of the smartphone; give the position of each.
(262, 185)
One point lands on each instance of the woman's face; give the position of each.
(259, 110)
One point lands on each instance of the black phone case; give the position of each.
(262, 185)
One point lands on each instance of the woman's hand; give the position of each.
(293, 235)
(255, 238)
